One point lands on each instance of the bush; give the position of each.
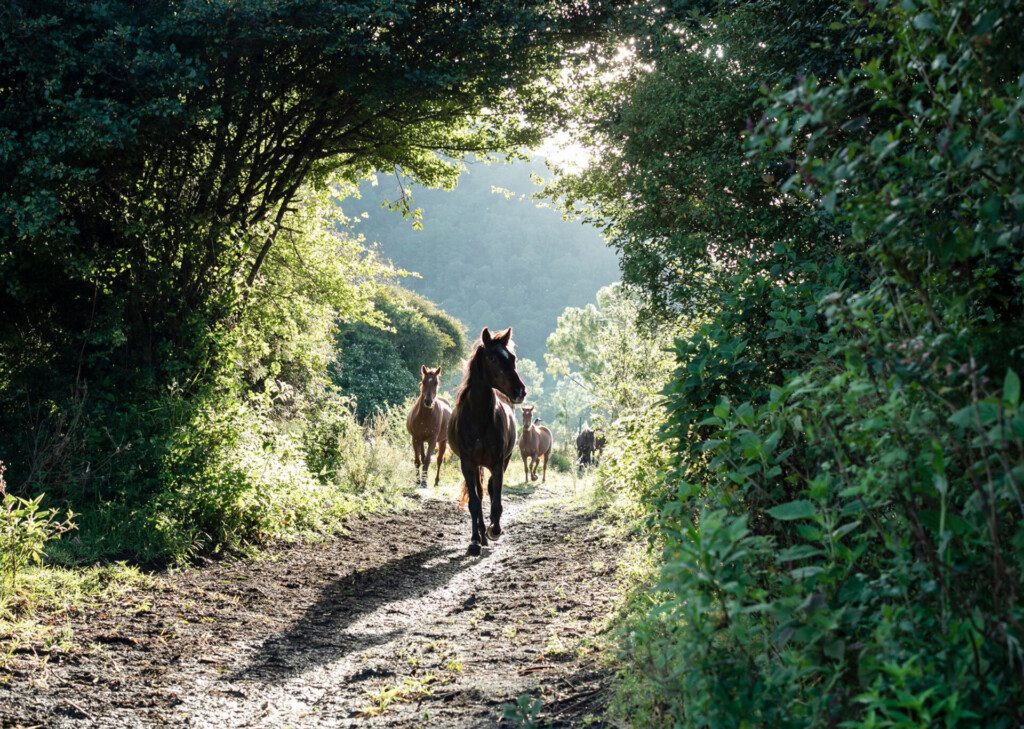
(25, 529)
(561, 461)
(236, 478)
(840, 515)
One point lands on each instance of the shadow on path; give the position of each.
(321, 635)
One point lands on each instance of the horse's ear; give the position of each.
(505, 336)
(438, 372)
(423, 370)
(485, 336)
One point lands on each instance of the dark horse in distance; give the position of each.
(585, 445)
(482, 429)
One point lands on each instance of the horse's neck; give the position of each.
(481, 397)
(481, 394)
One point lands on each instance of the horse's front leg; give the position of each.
(526, 470)
(476, 509)
(494, 491)
(417, 454)
(426, 462)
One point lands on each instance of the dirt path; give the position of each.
(389, 625)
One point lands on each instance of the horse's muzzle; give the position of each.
(518, 395)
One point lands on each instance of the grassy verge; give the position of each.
(37, 609)
(628, 630)
(54, 565)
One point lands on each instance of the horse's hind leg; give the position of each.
(441, 447)
(476, 510)
(494, 484)
(545, 477)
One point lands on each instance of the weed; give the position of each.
(408, 689)
(524, 712)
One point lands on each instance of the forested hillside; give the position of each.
(486, 252)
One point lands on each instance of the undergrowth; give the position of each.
(36, 611)
(239, 484)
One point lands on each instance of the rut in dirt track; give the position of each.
(390, 625)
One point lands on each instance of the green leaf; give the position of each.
(925, 21)
(800, 551)
(792, 510)
(1011, 389)
(985, 411)
(834, 649)
(802, 573)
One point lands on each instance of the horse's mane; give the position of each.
(467, 370)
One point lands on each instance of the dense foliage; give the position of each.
(487, 253)
(827, 200)
(171, 273)
(381, 368)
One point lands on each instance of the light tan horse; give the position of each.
(535, 444)
(427, 423)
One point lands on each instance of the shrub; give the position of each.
(25, 529)
(840, 518)
(561, 461)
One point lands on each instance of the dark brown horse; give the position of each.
(585, 443)
(482, 431)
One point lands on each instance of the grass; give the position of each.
(79, 570)
(569, 484)
(408, 689)
(35, 614)
(413, 688)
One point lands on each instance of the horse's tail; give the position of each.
(464, 496)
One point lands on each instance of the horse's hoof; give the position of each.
(473, 550)
(493, 532)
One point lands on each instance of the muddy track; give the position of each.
(389, 625)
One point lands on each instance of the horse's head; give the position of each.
(499, 364)
(527, 415)
(429, 381)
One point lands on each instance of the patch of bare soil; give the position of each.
(389, 625)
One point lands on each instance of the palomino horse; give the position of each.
(585, 446)
(535, 444)
(427, 423)
(482, 431)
